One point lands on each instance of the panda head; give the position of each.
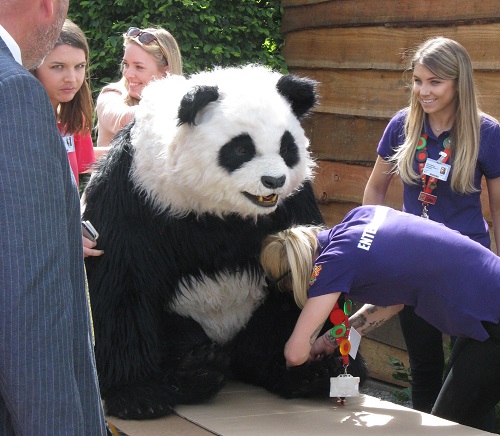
(222, 142)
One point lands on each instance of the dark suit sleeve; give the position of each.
(47, 373)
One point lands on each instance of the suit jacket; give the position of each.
(48, 382)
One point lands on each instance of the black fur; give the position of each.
(299, 91)
(149, 359)
(236, 152)
(196, 100)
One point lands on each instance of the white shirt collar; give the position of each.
(11, 44)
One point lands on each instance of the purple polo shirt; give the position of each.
(459, 212)
(385, 257)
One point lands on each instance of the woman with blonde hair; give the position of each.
(380, 257)
(149, 54)
(441, 145)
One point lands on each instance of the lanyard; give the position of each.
(340, 331)
(429, 183)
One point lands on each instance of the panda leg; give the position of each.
(198, 364)
(194, 376)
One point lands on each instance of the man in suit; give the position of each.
(48, 381)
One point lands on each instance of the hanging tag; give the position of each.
(345, 385)
(354, 339)
(427, 198)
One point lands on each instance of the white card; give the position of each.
(436, 169)
(354, 339)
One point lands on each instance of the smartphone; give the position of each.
(88, 231)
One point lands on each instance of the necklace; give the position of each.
(429, 183)
(444, 129)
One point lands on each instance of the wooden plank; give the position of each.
(343, 138)
(340, 182)
(377, 356)
(345, 183)
(380, 94)
(334, 213)
(301, 14)
(289, 3)
(383, 47)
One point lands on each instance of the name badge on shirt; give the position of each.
(69, 142)
(436, 169)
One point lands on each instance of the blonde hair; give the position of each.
(288, 258)
(448, 60)
(164, 50)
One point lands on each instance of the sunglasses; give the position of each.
(145, 38)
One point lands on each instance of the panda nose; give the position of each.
(273, 182)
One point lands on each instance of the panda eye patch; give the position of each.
(236, 152)
(289, 150)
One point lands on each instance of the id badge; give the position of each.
(345, 385)
(69, 143)
(436, 169)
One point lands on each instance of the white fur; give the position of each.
(178, 167)
(222, 306)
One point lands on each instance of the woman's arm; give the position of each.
(494, 202)
(112, 114)
(366, 319)
(370, 317)
(378, 183)
(311, 319)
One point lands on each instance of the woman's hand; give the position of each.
(88, 248)
(325, 345)
(309, 324)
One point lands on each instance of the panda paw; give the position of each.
(140, 401)
(198, 386)
(301, 381)
(210, 356)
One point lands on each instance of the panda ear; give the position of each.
(194, 101)
(299, 91)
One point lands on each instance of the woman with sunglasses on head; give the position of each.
(441, 145)
(386, 259)
(149, 54)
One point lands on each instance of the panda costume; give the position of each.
(209, 167)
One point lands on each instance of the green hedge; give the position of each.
(209, 32)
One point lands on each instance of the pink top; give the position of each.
(80, 151)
